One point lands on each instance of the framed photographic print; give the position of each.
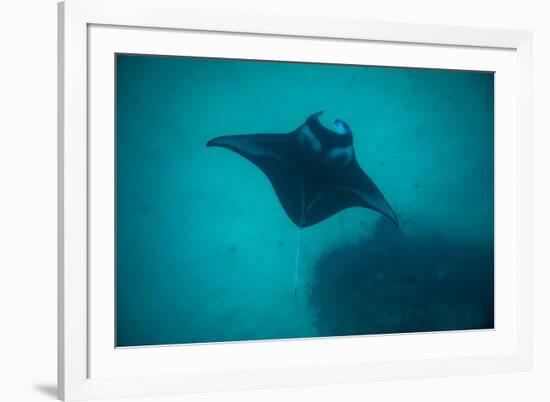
(258, 201)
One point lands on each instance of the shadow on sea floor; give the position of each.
(393, 283)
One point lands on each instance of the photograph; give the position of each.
(261, 200)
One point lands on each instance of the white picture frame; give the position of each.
(90, 368)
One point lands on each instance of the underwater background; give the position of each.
(204, 250)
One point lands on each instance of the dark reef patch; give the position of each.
(391, 283)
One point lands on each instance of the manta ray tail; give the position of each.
(297, 262)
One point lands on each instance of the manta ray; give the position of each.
(313, 170)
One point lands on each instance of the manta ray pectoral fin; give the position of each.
(254, 146)
(274, 156)
(349, 188)
(372, 197)
(337, 199)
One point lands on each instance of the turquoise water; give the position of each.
(204, 250)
